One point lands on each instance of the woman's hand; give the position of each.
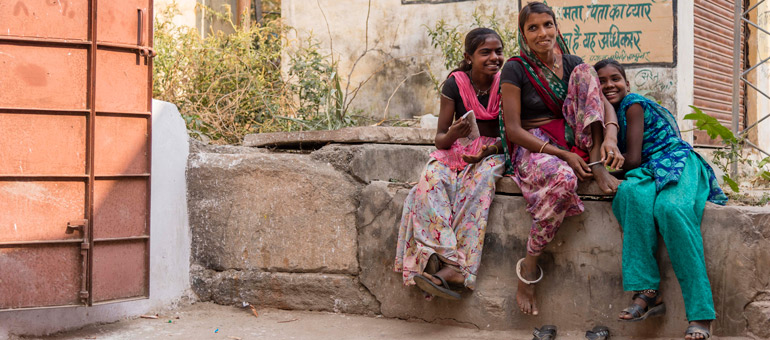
(577, 164)
(610, 152)
(459, 129)
(485, 151)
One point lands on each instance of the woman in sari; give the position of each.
(666, 188)
(445, 215)
(555, 123)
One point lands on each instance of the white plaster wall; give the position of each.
(169, 241)
(399, 43)
(186, 7)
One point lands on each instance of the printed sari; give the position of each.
(548, 183)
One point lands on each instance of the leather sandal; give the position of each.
(443, 291)
(697, 330)
(639, 313)
(598, 333)
(546, 332)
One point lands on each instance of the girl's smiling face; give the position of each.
(614, 86)
(488, 57)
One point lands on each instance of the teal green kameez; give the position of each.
(669, 190)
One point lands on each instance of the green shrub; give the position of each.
(230, 85)
(449, 39)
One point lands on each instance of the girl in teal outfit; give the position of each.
(667, 185)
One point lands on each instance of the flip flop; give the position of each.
(546, 332)
(695, 329)
(640, 313)
(427, 285)
(598, 333)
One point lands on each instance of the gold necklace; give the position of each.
(479, 93)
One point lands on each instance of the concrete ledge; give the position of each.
(583, 282)
(368, 134)
(305, 291)
(404, 163)
(267, 225)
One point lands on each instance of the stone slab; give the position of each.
(404, 163)
(304, 291)
(583, 283)
(273, 212)
(354, 135)
(372, 162)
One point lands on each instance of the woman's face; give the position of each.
(488, 57)
(614, 86)
(540, 32)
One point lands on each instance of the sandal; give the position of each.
(598, 333)
(546, 332)
(427, 285)
(697, 330)
(640, 313)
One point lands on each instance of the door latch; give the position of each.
(76, 225)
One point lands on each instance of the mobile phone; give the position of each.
(466, 114)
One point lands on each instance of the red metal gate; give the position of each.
(75, 126)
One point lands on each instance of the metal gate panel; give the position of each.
(43, 77)
(42, 144)
(120, 209)
(712, 91)
(39, 210)
(23, 286)
(119, 22)
(122, 146)
(75, 145)
(58, 19)
(121, 82)
(120, 270)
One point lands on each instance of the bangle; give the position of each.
(496, 149)
(612, 123)
(543, 147)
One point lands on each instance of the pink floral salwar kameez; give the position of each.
(446, 214)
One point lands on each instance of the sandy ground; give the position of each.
(211, 321)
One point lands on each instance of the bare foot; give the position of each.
(698, 336)
(450, 275)
(525, 294)
(639, 301)
(607, 183)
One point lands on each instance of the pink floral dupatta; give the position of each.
(453, 158)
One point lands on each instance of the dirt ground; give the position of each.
(211, 321)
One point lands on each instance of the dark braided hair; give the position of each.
(534, 7)
(611, 62)
(473, 40)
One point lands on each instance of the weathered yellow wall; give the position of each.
(398, 44)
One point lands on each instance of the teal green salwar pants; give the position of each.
(677, 211)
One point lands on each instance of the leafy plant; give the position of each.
(230, 85)
(449, 39)
(731, 153)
